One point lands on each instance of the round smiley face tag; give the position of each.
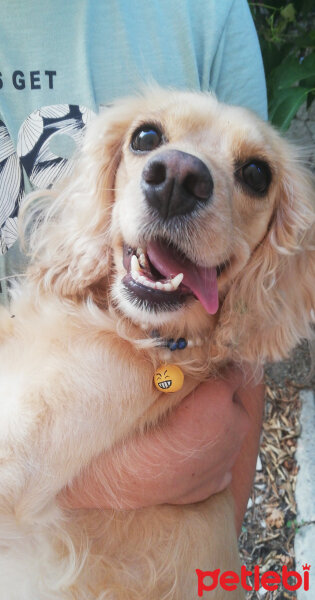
(168, 378)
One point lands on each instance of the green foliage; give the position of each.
(293, 524)
(287, 37)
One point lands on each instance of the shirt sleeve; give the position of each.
(237, 72)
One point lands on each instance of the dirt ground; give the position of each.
(299, 370)
(270, 523)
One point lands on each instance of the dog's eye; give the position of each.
(256, 175)
(146, 138)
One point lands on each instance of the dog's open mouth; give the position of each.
(164, 278)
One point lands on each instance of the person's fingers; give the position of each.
(214, 409)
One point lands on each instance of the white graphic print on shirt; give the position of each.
(37, 157)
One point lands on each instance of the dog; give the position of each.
(184, 219)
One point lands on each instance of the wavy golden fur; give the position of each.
(77, 360)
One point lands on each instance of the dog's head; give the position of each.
(188, 214)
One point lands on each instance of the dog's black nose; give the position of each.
(175, 182)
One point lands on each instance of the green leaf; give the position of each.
(288, 13)
(305, 40)
(273, 55)
(308, 82)
(285, 105)
(292, 70)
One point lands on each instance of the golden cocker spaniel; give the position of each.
(184, 235)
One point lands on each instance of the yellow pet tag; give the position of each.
(168, 378)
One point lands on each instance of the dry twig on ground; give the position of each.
(267, 537)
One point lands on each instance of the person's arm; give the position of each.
(244, 469)
(186, 460)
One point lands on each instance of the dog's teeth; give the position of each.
(144, 280)
(167, 287)
(147, 282)
(143, 260)
(134, 264)
(176, 281)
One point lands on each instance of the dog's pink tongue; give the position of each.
(202, 281)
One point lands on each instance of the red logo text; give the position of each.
(270, 580)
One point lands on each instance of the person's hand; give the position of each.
(187, 459)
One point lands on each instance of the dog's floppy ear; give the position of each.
(271, 303)
(70, 248)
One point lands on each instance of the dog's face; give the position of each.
(195, 193)
(187, 213)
